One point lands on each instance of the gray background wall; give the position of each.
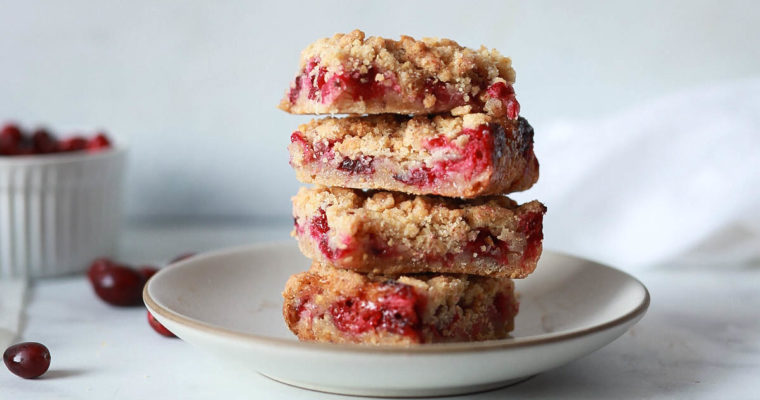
(192, 86)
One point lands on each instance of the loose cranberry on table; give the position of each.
(27, 360)
(121, 285)
(158, 327)
(117, 284)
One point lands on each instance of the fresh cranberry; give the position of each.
(98, 142)
(183, 256)
(99, 266)
(10, 139)
(8, 146)
(27, 360)
(11, 131)
(118, 285)
(43, 142)
(158, 327)
(75, 143)
(361, 165)
(147, 271)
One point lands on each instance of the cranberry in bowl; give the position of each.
(60, 200)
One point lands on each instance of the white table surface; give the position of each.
(699, 340)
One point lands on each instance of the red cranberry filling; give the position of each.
(506, 94)
(505, 307)
(361, 165)
(360, 86)
(394, 311)
(319, 232)
(475, 158)
(532, 225)
(446, 98)
(378, 247)
(308, 152)
(304, 308)
(319, 151)
(487, 244)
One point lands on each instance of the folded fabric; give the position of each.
(656, 181)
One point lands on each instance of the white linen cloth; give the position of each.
(678, 175)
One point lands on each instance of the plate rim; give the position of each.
(489, 345)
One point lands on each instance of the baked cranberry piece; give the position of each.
(158, 327)
(487, 244)
(393, 311)
(319, 230)
(27, 360)
(471, 161)
(506, 94)
(532, 225)
(361, 165)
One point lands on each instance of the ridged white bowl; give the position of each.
(59, 212)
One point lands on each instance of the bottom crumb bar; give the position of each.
(325, 304)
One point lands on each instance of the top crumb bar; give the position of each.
(354, 74)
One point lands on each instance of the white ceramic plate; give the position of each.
(228, 303)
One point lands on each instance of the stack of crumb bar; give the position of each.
(409, 232)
